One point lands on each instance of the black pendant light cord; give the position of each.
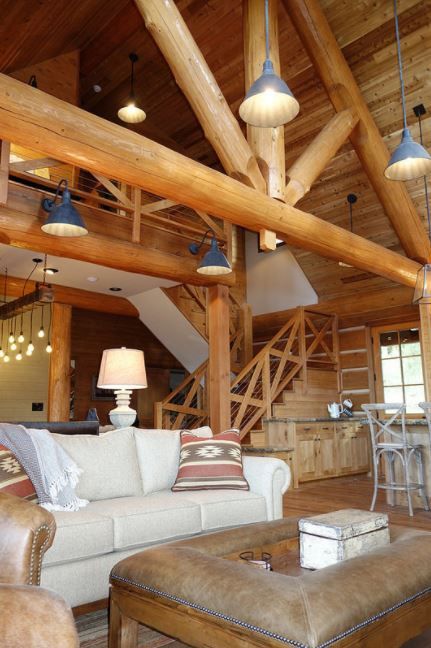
(400, 65)
(266, 29)
(133, 58)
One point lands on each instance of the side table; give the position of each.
(283, 453)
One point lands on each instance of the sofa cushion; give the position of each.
(214, 463)
(81, 534)
(109, 464)
(226, 508)
(139, 521)
(13, 478)
(159, 455)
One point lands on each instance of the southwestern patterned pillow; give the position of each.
(13, 478)
(214, 463)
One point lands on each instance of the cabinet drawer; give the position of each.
(306, 428)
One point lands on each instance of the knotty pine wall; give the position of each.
(93, 332)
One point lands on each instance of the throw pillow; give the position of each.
(109, 463)
(214, 463)
(158, 455)
(13, 478)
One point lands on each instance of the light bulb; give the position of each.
(11, 337)
(48, 348)
(19, 355)
(13, 346)
(30, 347)
(1, 353)
(29, 352)
(41, 333)
(21, 337)
(6, 358)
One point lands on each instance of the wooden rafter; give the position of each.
(33, 118)
(336, 76)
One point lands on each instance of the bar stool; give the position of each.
(426, 406)
(389, 443)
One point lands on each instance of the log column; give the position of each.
(425, 315)
(59, 367)
(219, 358)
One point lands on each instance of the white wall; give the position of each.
(275, 280)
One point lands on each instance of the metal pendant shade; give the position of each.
(131, 113)
(214, 261)
(409, 160)
(63, 219)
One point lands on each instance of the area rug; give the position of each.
(93, 633)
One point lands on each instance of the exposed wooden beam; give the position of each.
(4, 171)
(32, 165)
(310, 164)
(267, 240)
(172, 36)
(219, 358)
(85, 299)
(336, 76)
(24, 231)
(266, 143)
(59, 365)
(31, 117)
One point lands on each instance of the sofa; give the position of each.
(127, 475)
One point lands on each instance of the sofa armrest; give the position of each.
(269, 477)
(26, 532)
(35, 618)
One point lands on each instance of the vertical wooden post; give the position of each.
(219, 358)
(266, 143)
(425, 315)
(136, 230)
(246, 318)
(303, 347)
(266, 385)
(59, 367)
(4, 171)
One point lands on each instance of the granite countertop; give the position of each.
(409, 421)
(265, 449)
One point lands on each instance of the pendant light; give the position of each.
(131, 113)
(214, 261)
(410, 159)
(63, 219)
(422, 294)
(351, 199)
(269, 102)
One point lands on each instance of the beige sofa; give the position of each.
(127, 477)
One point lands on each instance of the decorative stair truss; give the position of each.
(307, 342)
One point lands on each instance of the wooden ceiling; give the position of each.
(106, 31)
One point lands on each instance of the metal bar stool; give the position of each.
(390, 443)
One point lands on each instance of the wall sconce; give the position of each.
(63, 219)
(214, 261)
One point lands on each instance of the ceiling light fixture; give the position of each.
(214, 261)
(131, 113)
(351, 199)
(63, 219)
(422, 294)
(269, 102)
(50, 271)
(410, 159)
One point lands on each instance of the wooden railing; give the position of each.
(308, 339)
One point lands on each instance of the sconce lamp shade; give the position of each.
(122, 370)
(131, 114)
(63, 219)
(269, 102)
(214, 261)
(422, 293)
(409, 160)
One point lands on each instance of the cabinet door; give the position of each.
(361, 449)
(306, 449)
(327, 451)
(345, 433)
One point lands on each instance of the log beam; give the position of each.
(59, 365)
(267, 144)
(192, 74)
(30, 117)
(310, 164)
(219, 358)
(336, 76)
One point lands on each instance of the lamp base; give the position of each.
(122, 415)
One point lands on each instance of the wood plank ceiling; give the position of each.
(106, 31)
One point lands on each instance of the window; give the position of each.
(399, 375)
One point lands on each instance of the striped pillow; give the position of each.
(214, 463)
(13, 478)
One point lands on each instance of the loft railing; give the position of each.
(308, 339)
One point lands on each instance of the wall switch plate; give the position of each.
(37, 407)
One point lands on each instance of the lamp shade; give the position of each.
(214, 261)
(409, 160)
(269, 102)
(63, 219)
(122, 369)
(131, 114)
(422, 293)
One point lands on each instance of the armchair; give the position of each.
(31, 616)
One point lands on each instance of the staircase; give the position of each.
(297, 369)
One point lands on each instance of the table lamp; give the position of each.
(122, 370)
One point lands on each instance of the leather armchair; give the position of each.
(31, 616)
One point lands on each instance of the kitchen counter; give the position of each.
(360, 419)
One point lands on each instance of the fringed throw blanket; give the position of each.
(53, 473)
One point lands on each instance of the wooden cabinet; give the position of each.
(353, 448)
